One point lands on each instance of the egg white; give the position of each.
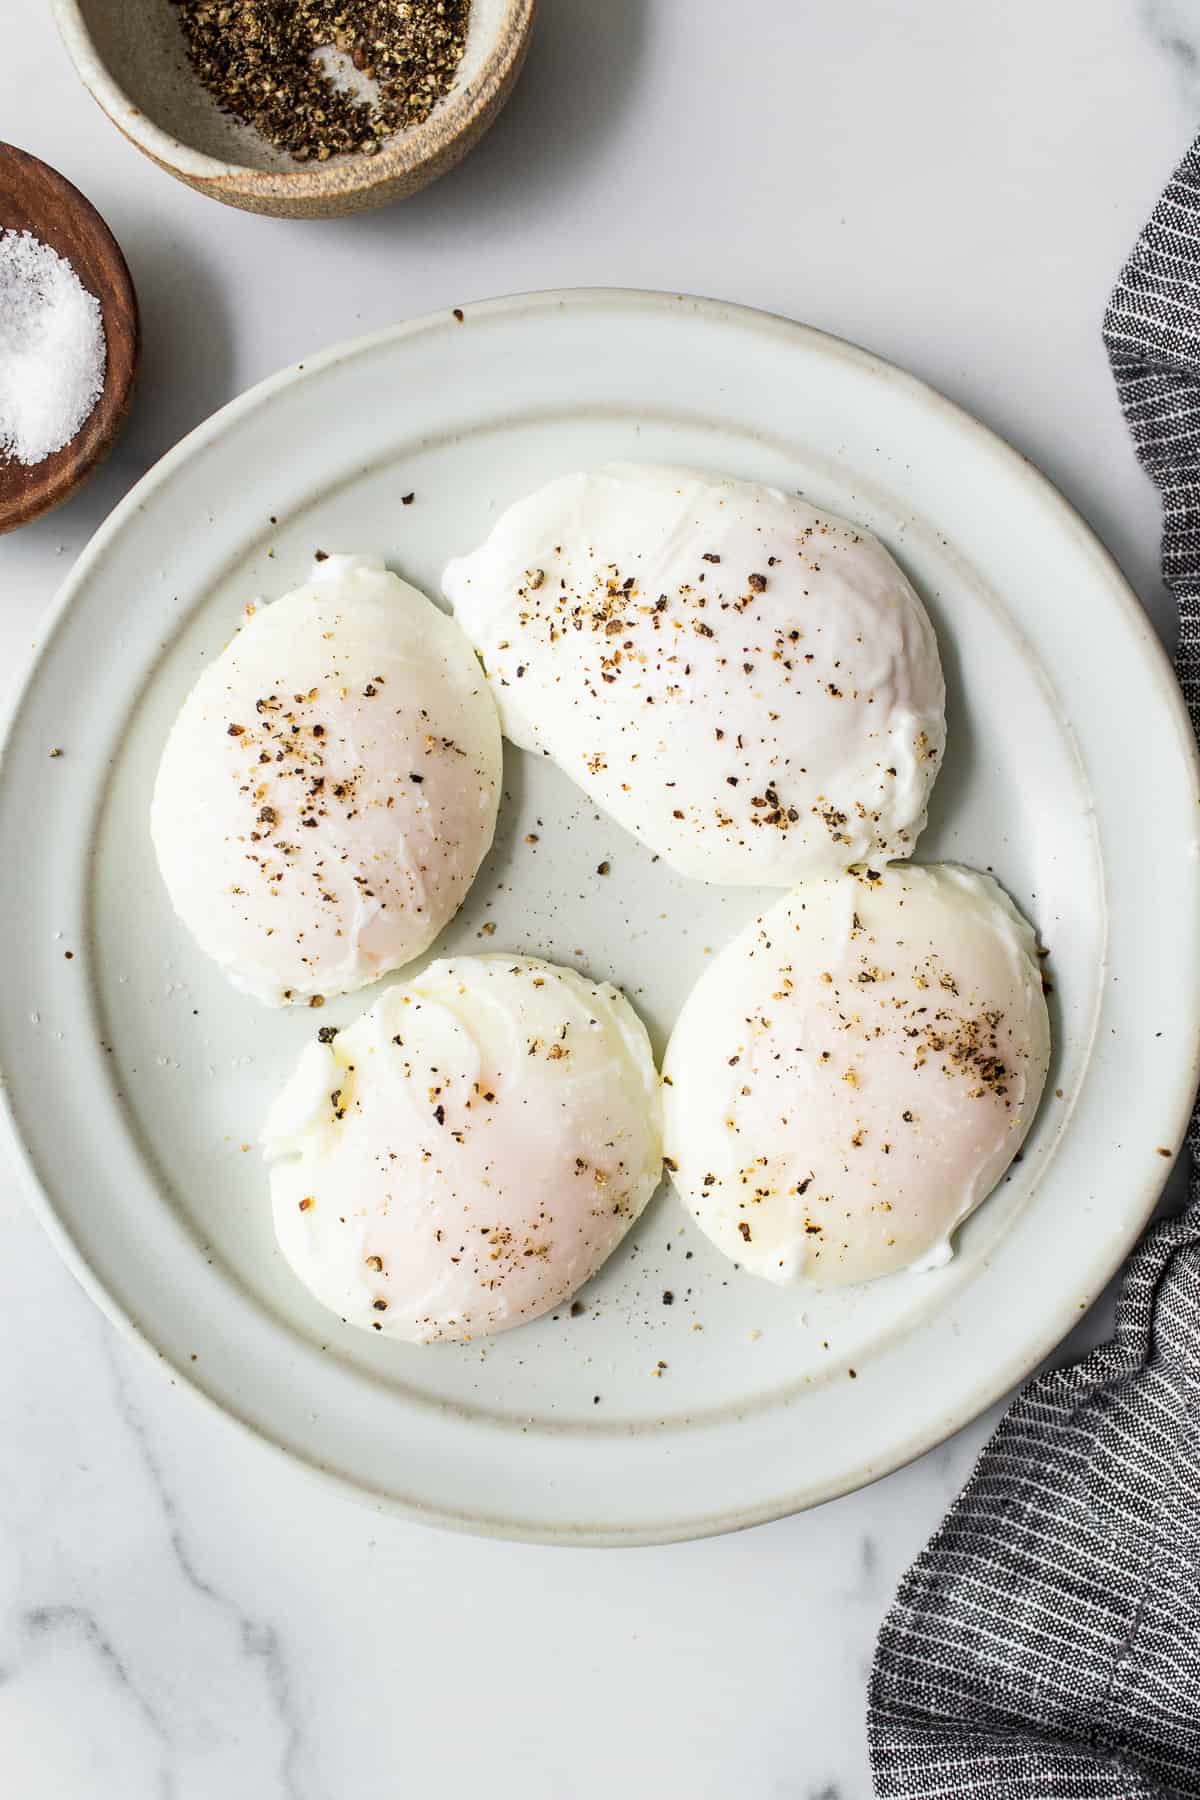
(466, 1154)
(330, 786)
(744, 681)
(854, 1073)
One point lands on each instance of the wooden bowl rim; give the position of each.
(61, 476)
(398, 159)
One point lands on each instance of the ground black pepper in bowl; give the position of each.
(259, 60)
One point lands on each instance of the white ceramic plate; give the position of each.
(137, 1079)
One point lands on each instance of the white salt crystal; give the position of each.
(52, 349)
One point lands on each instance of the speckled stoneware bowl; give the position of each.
(130, 55)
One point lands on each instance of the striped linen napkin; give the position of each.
(1046, 1644)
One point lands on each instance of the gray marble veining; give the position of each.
(259, 1641)
(1173, 27)
(77, 1621)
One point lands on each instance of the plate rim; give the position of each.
(1175, 1106)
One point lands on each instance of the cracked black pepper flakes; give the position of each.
(259, 60)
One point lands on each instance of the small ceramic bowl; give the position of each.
(130, 55)
(37, 199)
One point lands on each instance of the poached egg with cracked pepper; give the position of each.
(744, 681)
(330, 786)
(852, 1075)
(465, 1155)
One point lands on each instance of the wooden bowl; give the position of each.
(130, 55)
(37, 199)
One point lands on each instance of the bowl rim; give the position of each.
(400, 157)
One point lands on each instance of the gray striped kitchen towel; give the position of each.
(1046, 1644)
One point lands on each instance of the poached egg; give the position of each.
(854, 1073)
(745, 682)
(468, 1153)
(330, 787)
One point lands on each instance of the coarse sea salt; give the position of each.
(52, 349)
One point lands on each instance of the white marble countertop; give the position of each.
(184, 1616)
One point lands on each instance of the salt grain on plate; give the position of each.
(52, 349)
